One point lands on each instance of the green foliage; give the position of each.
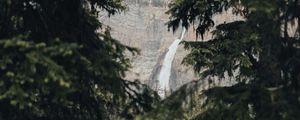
(187, 11)
(177, 106)
(55, 65)
(232, 48)
(259, 52)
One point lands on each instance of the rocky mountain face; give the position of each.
(142, 25)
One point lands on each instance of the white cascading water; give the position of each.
(165, 71)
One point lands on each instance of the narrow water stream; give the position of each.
(165, 72)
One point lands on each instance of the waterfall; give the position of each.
(165, 71)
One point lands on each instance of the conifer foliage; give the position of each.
(57, 62)
(262, 47)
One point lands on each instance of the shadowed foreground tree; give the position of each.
(56, 65)
(262, 47)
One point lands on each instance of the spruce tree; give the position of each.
(58, 62)
(261, 47)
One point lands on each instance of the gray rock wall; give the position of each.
(142, 25)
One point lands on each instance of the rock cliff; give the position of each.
(142, 25)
